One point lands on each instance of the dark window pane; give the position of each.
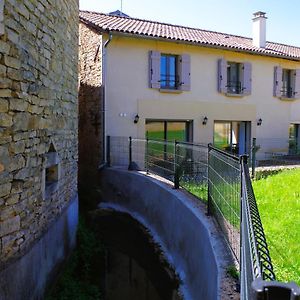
(168, 71)
(222, 133)
(155, 130)
(176, 131)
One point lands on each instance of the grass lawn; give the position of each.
(278, 199)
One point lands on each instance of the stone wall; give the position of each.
(91, 116)
(38, 119)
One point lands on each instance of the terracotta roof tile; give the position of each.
(104, 22)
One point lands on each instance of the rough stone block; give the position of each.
(5, 189)
(9, 226)
(5, 120)
(5, 93)
(12, 62)
(3, 105)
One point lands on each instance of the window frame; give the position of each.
(234, 87)
(288, 83)
(168, 66)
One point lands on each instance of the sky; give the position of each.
(228, 16)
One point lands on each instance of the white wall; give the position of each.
(128, 91)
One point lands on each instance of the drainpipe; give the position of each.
(104, 64)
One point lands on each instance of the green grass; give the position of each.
(278, 199)
(198, 190)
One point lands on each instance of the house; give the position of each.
(168, 81)
(38, 143)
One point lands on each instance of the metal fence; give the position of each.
(224, 195)
(221, 180)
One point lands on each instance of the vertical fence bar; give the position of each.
(108, 161)
(176, 167)
(253, 157)
(147, 156)
(130, 154)
(208, 183)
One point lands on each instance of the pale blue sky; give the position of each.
(229, 16)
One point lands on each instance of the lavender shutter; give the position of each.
(222, 76)
(277, 81)
(297, 84)
(184, 73)
(154, 69)
(247, 78)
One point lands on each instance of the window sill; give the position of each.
(287, 99)
(235, 95)
(170, 91)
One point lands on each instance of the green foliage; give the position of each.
(278, 199)
(233, 272)
(78, 281)
(197, 189)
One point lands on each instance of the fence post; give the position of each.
(130, 154)
(176, 168)
(108, 151)
(209, 211)
(253, 157)
(147, 156)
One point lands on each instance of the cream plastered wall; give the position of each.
(128, 92)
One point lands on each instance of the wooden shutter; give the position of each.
(247, 78)
(184, 72)
(222, 76)
(277, 81)
(154, 69)
(297, 84)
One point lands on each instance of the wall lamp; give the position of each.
(205, 119)
(136, 119)
(259, 122)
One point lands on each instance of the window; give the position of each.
(169, 130)
(234, 84)
(286, 83)
(294, 139)
(169, 71)
(232, 136)
(234, 78)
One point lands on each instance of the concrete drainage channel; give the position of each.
(177, 222)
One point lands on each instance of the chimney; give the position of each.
(259, 29)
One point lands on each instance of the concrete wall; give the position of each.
(28, 277)
(38, 125)
(188, 238)
(128, 91)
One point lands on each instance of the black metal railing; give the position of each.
(287, 92)
(234, 87)
(169, 81)
(222, 181)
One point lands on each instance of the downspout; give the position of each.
(104, 74)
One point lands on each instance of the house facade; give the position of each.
(172, 82)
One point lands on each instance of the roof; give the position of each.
(150, 29)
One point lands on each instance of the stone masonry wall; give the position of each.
(38, 118)
(90, 108)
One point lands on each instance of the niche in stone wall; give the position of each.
(51, 172)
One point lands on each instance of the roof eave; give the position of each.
(143, 36)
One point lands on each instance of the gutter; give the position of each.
(211, 46)
(104, 74)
